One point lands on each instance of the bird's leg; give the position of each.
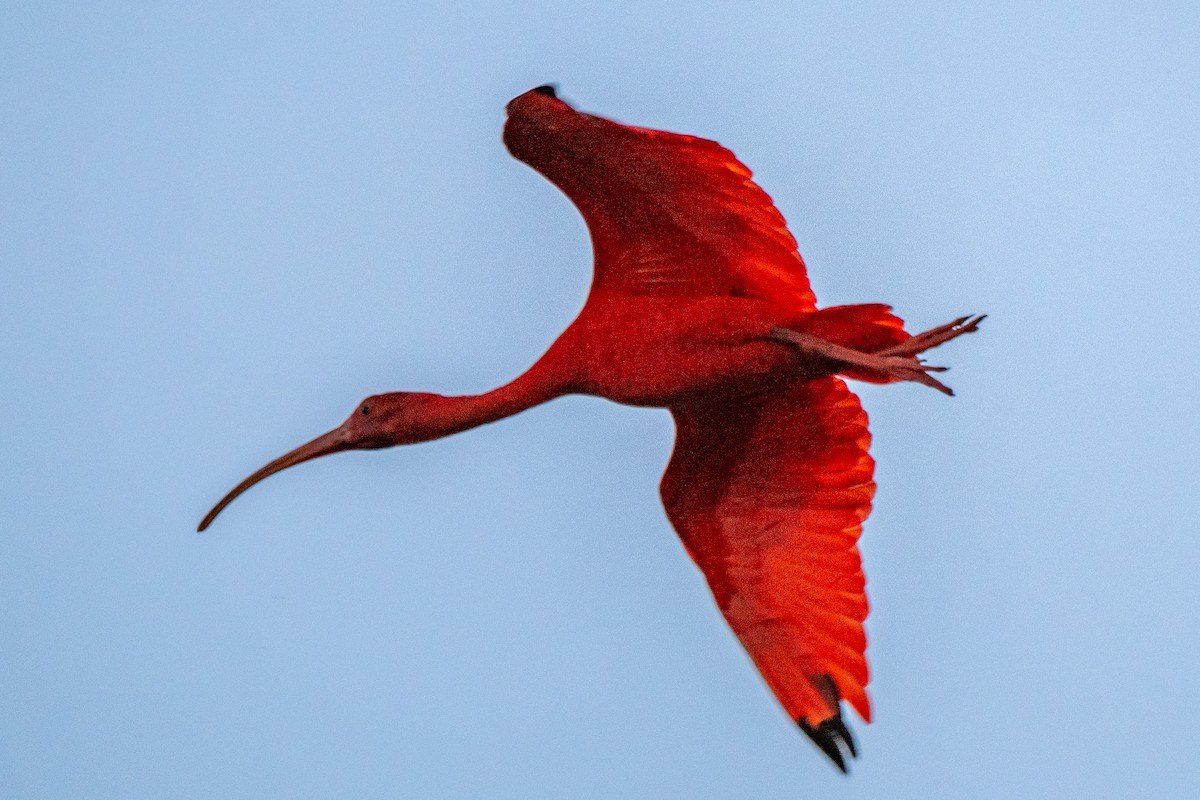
(899, 367)
(899, 362)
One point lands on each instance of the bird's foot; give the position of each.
(933, 337)
(893, 363)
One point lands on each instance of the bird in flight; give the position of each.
(700, 304)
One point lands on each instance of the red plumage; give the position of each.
(700, 304)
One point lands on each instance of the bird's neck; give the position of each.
(460, 413)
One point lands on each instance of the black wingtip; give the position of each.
(832, 736)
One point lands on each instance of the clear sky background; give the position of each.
(221, 226)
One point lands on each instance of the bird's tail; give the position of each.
(866, 328)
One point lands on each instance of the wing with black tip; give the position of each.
(769, 496)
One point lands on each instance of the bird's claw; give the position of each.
(907, 368)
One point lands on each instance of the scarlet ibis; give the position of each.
(700, 304)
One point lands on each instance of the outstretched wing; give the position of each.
(668, 213)
(769, 495)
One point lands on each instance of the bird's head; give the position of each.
(385, 420)
(382, 420)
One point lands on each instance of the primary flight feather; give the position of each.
(700, 304)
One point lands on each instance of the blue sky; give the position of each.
(221, 226)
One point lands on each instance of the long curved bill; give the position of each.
(332, 442)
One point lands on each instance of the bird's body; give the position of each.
(700, 304)
(643, 352)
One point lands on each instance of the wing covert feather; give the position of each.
(699, 223)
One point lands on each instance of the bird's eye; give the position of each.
(365, 410)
